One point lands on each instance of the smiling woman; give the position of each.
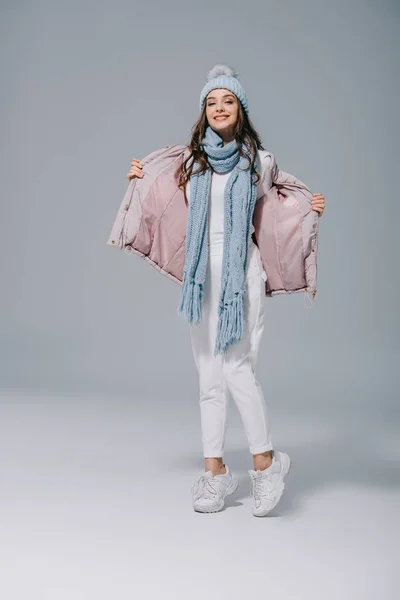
(219, 217)
(223, 110)
(222, 107)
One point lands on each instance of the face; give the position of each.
(222, 107)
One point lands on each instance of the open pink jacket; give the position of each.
(151, 222)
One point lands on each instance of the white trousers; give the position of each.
(231, 374)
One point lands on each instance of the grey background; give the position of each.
(96, 366)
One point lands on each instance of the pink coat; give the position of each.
(151, 222)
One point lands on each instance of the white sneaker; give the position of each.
(209, 492)
(268, 485)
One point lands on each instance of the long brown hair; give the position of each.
(244, 134)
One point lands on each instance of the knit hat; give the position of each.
(222, 76)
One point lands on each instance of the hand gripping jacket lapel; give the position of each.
(151, 222)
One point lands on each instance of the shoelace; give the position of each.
(204, 487)
(261, 486)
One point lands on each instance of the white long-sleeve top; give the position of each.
(216, 206)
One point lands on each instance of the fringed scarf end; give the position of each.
(230, 325)
(190, 306)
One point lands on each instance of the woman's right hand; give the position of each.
(136, 169)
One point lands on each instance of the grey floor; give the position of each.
(95, 504)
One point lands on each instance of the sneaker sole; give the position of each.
(216, 508)
(287, 463)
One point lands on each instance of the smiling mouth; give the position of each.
(221, 118)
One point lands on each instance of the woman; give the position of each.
(226, 171)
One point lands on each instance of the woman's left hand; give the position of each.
(318, 203)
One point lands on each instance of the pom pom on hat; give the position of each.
(220, 70)
(222, 76)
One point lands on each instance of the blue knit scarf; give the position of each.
(239, 201)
